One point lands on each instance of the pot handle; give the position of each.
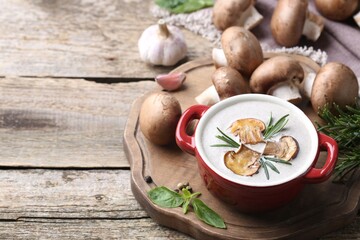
(317, 175)
(183, 139)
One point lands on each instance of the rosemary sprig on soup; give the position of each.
(245, 161)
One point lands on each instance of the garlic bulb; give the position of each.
(162, 45)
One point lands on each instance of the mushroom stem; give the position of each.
(313, 26)
(219, 58)
(287, 91)
(208, 97)
(163, 30)
(308, 84)
(250, 18)
(357, 18)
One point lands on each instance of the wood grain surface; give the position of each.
(84, 204)
(48, 122)
(67, 38)
(63, 170)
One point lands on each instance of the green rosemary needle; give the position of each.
(272, 129)
(343, 125)
(266, 162)
(228, 141)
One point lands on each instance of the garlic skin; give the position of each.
(162, 45)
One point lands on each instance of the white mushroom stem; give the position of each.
(308, 83)
(357, 18)
(313, 26)
(287, 91)
(208, 97)
(250, 18)
(219, 58)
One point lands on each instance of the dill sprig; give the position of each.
(272, 129)
(343, 125)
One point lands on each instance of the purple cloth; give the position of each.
(340, 40)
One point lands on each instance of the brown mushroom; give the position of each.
(227, 13)
(279, 76)
(249, 130)
(291, 19)
(242, 50)
(337, 10)
(334, 83)
(244, 162)
(227, 82)
(158, 118)
(285, 149)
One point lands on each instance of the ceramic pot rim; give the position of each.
(295, 112)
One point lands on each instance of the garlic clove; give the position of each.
(171, 81)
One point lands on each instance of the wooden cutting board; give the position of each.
(319, 209)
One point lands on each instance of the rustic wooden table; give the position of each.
(69, 73)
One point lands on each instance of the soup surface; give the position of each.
(261, 107)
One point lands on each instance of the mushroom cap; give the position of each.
(275, 70)
(287, 21)
(242, 50)
(158, 118)
(249, 130)
(336, 9)
(228, 82)
(285, 149)
(334, 83)
(227, 12)
(244, 162)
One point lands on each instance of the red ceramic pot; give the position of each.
(255, 193)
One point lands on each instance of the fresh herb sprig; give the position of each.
(272, 129)
(184, 6)
(343, 125)
(228, 141)
(265, 162)
(167, 198)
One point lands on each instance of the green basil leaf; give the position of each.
(186, 206)
(186, 193)
(184, 6)
(169, 4)
(207, 215)
(164, 197)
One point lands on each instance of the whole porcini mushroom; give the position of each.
(279, 76)
(291, 19)
(227, 82)
(227, 13)
(242, 50)
(334, 83)
(162, 45)
(158, 118)
(337, 10)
